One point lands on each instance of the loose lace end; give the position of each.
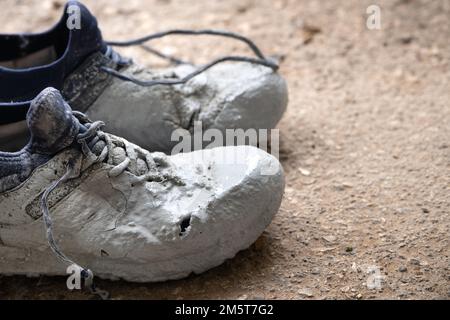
(260, 58)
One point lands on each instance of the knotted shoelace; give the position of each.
(95, 139)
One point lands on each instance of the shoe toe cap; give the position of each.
(247, 188)
(248, 96)
(234, 193)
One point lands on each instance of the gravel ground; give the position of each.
(365, 145)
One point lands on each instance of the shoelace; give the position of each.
(260, 58)
(88, 141)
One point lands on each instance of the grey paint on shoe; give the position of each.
(228, 96)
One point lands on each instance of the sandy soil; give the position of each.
(365, 145)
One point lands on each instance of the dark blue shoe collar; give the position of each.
(19, 86)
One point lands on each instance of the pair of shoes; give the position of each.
(97, 201)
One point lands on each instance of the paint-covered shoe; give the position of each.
(143, 105)
(98, 201)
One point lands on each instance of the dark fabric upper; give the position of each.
(52, 127)
(19, 86)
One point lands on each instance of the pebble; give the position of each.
(304, 172)
(330, 238)
(315, 271)
(345, 289)
(306, 292)
(402, 269)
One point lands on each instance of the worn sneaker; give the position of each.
(94, 200)
(144, 106)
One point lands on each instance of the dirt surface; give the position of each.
(365, 145)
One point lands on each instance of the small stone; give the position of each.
(306, 292)
(402, 269)
(345, 289)
(343, 186)
(304, 172)
(315, 271)
(414, 261)
(347, 185)
(423, 263)
(330, 238)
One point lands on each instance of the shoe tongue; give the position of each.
(51, 123)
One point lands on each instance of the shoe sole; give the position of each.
(34, 263)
